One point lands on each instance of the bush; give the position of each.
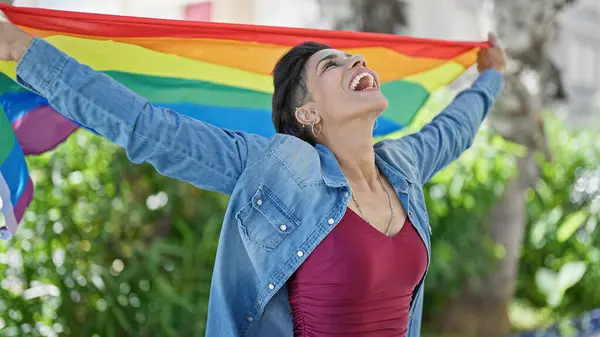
(109, 248)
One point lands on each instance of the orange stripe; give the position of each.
(467, 59)
(261, 57)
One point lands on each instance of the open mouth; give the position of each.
(363, 81)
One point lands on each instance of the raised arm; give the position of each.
(452, 132)
(176, 145)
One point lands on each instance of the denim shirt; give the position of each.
(274, 181)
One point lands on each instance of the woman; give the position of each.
(325, 234)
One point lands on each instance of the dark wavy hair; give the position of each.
(289, 80)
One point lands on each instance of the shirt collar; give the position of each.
(334, 177)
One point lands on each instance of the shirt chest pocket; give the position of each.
(265, 220)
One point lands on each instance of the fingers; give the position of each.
(493, 40)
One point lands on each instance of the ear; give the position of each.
(307, 114)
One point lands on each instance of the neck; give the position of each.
(354, 152)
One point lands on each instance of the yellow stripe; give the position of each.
(438, 77)
(261, 57)
(9, 69)
(116, 56)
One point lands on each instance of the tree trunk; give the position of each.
(483, 310)
(528, 29)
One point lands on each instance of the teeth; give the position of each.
(357, 79)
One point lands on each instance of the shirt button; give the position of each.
(271, 286)
(283, 228)
(410, 214)
(259, 202)
(250, 319)
(346, 194)
(300, 253)
(330, 221)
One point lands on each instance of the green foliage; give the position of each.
(109, 248)
(560, 261)
(563, 212)
(459, 200)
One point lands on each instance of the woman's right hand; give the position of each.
(13, 41)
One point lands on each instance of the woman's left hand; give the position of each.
(492, 58)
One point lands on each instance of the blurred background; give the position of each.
(109, 248)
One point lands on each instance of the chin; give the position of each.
(374, 103)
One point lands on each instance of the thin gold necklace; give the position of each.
(389, 228)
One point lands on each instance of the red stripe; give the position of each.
(123, 26)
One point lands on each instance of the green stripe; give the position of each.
(405, 99)
(7, 137)
(175, 90)
(7, 85)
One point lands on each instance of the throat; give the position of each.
(361, 171)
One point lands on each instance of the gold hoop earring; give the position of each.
(376, 124)
(312, 129)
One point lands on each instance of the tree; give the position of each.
(382, 16)
(528, 29)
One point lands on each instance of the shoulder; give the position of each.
(399, 155)
(289, 148)
(276, 146)
(290, 156)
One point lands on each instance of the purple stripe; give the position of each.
(42, 129)
(24, 201)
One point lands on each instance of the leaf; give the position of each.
(554, 285)
(545, 280)
(570, 225)
(118, 312)
(169, 292)
(570, 273)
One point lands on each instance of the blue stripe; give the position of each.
(16, 105)
(249, 120)
(257, 121)
(386, 126)
(14, 170)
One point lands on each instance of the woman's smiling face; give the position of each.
(341, 88)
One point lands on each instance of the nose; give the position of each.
(357, 61)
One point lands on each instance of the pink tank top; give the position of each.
(357, 282)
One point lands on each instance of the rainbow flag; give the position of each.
(218, 73)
